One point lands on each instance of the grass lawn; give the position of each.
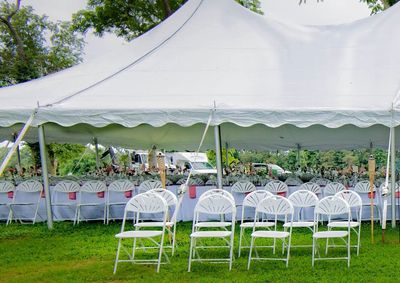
(85, 253)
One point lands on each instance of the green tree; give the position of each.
(31, 46)
(130, 19)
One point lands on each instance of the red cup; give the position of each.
(282, 194)
(192, 191)
(42, 194)
(371, 195)
(397, 194)
(128, 194)
(72, 195)
(10, 194)
(100, 194)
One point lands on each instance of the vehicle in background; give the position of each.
(196, 162)
(273, 167)
(140, 160)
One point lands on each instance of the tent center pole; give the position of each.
(218, 155)
(96, 146)
(393, 177)
(45, 176)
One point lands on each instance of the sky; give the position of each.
(327, 12)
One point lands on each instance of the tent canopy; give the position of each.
(268, 84)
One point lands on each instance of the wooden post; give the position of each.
(371, 171)
(161, 168)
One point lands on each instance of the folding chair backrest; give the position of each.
(149, 185)
(170, 197)
(275, 205)
(215, 204)
(243, 187)
(276, 186)
(217, 192)
(321, 181)
(363, 187)
(30, 186)
(332, 205)
(121, 186)
(352, 198)
(93, 186)
(333, 188)
(253, 198)
(6, 186)
(147, 203)
(312, 187)
(67, 186)
(303, 198)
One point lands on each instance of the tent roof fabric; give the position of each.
(214, 56)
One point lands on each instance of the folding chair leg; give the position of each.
(173, 239)
(160, 254)
(231, 253)
(251, 250)
(117, 256)
(313, 252)
(191, 253)
(240, 240)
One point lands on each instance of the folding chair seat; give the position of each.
(149, 185)
(27, 197)
(138, 205)
(92, 195)
(6, 196)
(312, 187)
(363, 189)
(331, 206)
(65, 194)
(301, 200)
(355, 203)
(276, 187)
(277, 206)
(251, 201)
(118, 194)
(333, 188)
(214, 204)
(172, 203)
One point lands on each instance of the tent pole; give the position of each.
(218, 155)
(226, 157)
(15, 136)
(96, 146)
(393, 177)
(45, 176)
(298, 155)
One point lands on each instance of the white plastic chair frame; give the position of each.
(29, 186)
(66, 187)
(121, 186)
(251, 201)
(172, 203)
(243, 187)
(216, 204)
(143, 203)
(333, 188)
(5, 188)
(363, 188)
(302, 199)
(92, 187)
(331, 206)
(312, 187)
(355, 203)
(276, 187)
(276, 206)
(149, 185)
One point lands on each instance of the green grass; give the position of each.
(85, 253)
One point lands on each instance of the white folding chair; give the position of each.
(243, 187)
(149, 185)
(118, 194)
(276, 187)
(6, 196)
(172, 203)
(301, 200)
(328, 207)
(355, 203)
(142, 204)
(92, 194)
(363, 188)
(215, 204)
(65, 194)
(312, 187)
(251, 201)
(27, 195)
(275, 206)
(333, 188)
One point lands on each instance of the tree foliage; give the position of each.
(31, 46)
(130, 19)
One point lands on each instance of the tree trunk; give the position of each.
(167, 8)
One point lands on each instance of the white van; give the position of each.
(196, 162)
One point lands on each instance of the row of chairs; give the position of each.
(215, 217)
(69, 194)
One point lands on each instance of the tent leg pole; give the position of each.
(393, 177)
(96, 146)
(45, 176)
(218, 155)
(15, 136)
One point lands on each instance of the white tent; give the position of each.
(263, 79)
